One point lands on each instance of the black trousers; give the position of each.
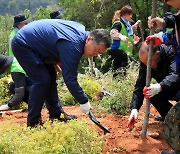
(119, 57)
(161, 101)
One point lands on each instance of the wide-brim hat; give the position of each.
(5, 62)
(20, 19)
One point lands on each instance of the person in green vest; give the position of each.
(122, 35)
(17, 73)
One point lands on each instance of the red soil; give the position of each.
(120, 140)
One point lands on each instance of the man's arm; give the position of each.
(70, 57)
(172, 80)
(137, 98)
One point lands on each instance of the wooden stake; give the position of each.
(148, 74)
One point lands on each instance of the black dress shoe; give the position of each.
(69, 117)
(63, 117)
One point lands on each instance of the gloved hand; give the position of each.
(132, 118)
(4, 107)
(117, 36)
(114, 34)
(85, 108)
(123, 38)
(152, 90)
(157, 38)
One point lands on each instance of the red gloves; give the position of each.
(132, 119)
(157, 38)
(152, 90)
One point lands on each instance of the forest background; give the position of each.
(92, 13)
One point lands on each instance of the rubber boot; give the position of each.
(17, 98)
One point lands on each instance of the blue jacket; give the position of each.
(42, 37)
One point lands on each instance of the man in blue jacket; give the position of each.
(41, 44)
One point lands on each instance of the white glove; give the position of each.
(133, 117)
(85, 108)
(4, 107)
(123, 38)
(153, 89)
(134, 114)
(114, 34)
(157, 38)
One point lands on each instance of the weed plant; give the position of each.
(121, 89)
(89, 85)
(73, 137)
(5, 94)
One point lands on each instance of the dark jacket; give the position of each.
(42, 36)
(170, 21)
(165, 75)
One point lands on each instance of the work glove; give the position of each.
(85, 108)
(152, 90)
(114, 34)
(157, 38)
(132, 118)
(117, 36)
(4, 107)
(123, 38)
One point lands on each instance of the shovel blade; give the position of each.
(93, 118)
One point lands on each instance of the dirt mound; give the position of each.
(120, 140)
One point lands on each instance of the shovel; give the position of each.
(93, 118)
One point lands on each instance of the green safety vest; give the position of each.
(123, 45)
(15, 66)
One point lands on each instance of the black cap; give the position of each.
(56, 15)
(5, 62)
(20, 19)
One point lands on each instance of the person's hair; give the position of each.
(124, 10)
(101, 36)
(155, 47)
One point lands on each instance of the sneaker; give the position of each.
(69, 117)
(159, 118)
(4, 107)
(167, 152)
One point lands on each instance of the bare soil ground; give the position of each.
(120, 140)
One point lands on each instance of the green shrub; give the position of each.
(73, 137)
(122, 89)
(68, 99)
(89, 85)
(5, 95)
